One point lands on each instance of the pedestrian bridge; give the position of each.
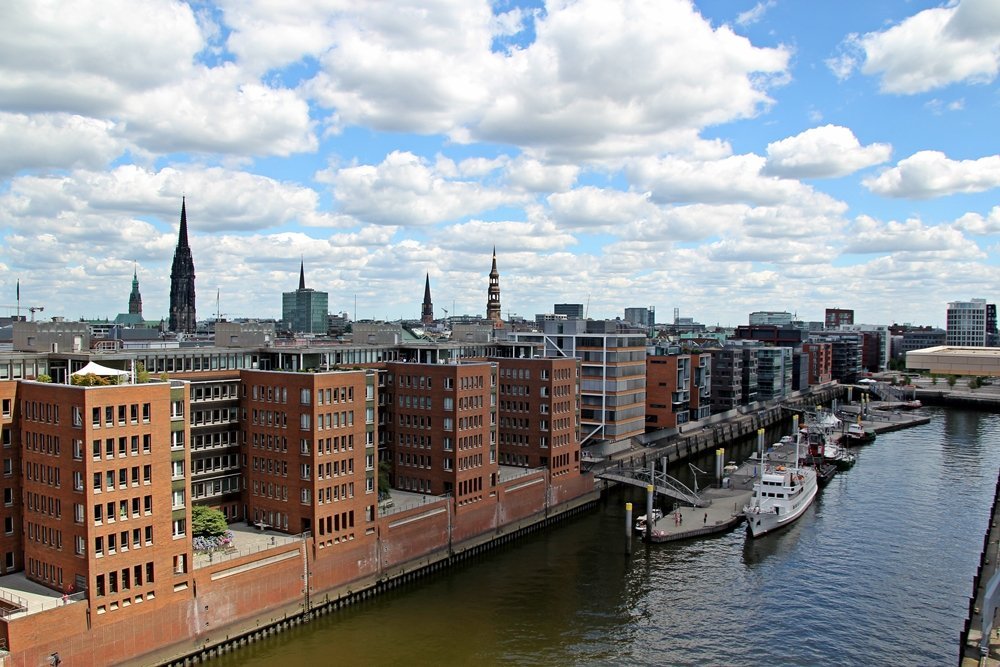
(663, 484)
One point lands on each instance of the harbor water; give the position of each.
(878, 571)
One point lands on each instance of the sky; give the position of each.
(716, 157)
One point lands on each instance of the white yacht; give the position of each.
(780, 496)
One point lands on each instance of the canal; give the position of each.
(878, 571)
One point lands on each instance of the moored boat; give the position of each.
(780, 496)
(640, 521)
(856, 434)
(839, 456)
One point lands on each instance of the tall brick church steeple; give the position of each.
(182, 310)
(135, 299)
(427, 311)
(493, 298)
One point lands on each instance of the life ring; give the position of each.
(780, 468)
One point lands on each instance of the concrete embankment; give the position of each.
(717, 431)
(250, 630)
(969, 647)
(984, 399)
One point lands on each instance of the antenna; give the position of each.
(586, 312)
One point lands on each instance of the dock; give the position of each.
(724, 510)
(723, 514)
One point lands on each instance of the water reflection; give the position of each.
(878, 571)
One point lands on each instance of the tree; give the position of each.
(141, 374)
(207, 522)
(44, 377)
(89, 380)
(952, 380)
(384, 488)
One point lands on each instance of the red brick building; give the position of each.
(539, 408)
(820, 362)
(100, 513)
(309, 446)
(441, 428)
(10, 539)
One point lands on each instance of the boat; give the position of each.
(640, 521)
(839, 456)
(825, 470)
(857, 435)
(780, 496)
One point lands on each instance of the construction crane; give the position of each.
(31, 309)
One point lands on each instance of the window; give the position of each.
(305, 397)
(77, 450)
(306, 496)
(178, 469)
(178, 499)
(179, 528)
(8, 496)
(305, 420)
(81, 546)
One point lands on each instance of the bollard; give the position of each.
(649, 511)
(628, 523)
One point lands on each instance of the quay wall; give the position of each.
(719, 430)
(968, 651)
(244, 599)
(960, 399)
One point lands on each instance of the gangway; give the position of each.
(663, 484)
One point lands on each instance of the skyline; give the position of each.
(716, 157)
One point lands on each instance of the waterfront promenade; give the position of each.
(724, 509)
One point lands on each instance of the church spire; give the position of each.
(182, 237)
(135, 299)
(182, 304)
(493, 298)
(302, 274)
(427, 312)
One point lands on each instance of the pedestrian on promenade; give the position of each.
(705, 520)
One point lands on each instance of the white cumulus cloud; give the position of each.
(931, 49)
(823, 152)
(929, 174)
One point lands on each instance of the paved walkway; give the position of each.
(19, 596)
(723, 514)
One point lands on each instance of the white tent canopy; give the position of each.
(97, 369)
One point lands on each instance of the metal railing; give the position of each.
(221, 555)
(24, 607)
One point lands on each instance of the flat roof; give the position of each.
(955, 360)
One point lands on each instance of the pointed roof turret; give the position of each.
(427, 311)
(182, 236)
(183, 317)
(302, 274)
(135, 299)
